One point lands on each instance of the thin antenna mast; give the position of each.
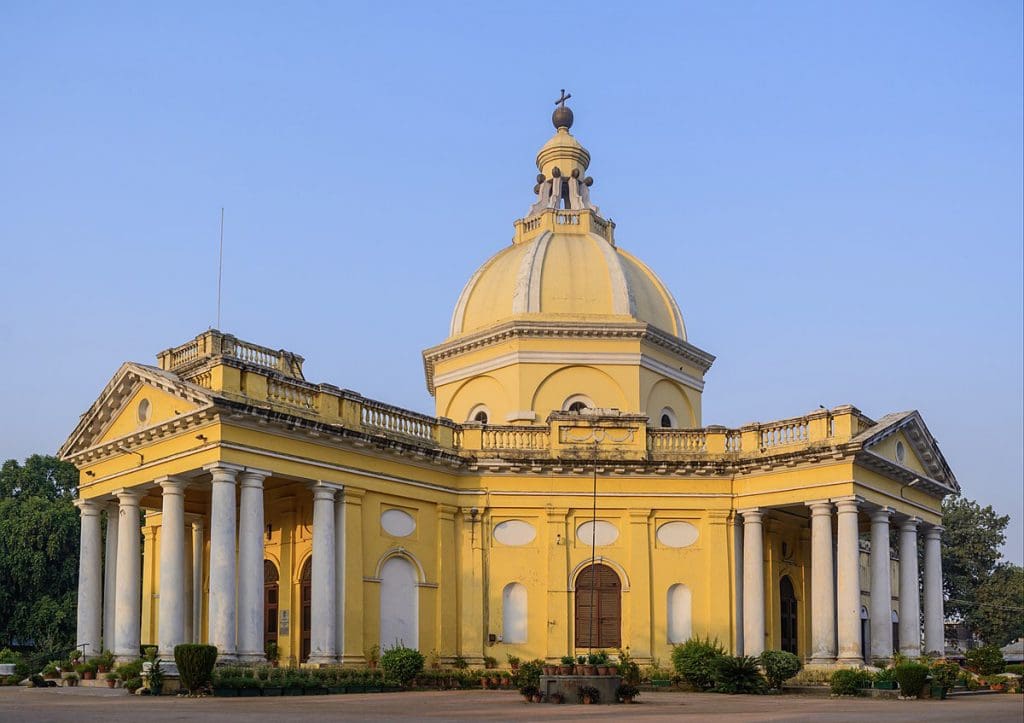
(220, 264)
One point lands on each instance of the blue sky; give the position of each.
(833, 191)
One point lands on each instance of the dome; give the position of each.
(565, 276)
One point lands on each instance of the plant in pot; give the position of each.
(556, 698)
(588, 695)
(272, 652)
(529, 691)
(155, 677)
(590, 668)
(944, 677)
(567, 665)
(105, 662)
(513, 662)
(111, 679)
(89, 670)
(626, 693)
(885, 679)
(580, 668)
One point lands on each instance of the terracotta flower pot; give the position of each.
(538, 698)
(602, 670)
(590, 670)
(565, 670)
(111, 683)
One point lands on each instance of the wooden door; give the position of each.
(598, 608)
(306, 587)
(787, 599)
(271, 592)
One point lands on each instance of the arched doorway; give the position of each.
(306, 599)
(598, 608)
(787, 609)
(399, 608)
(271, 591)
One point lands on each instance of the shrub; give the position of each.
(1015, 668)
(195, 664)
(986, 660)
(849, 681)
(133, 684)
(587, 691)
(11, 657)
(127, 671)
(738, 674)
(779, 666)
(695, 661)
(625, 691)
(628, 668)
(911, 678)
(528, 674)
(401, 664)
(885, 675)
(945, 674)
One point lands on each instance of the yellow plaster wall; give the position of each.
(162, 406)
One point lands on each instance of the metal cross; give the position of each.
(561, 101)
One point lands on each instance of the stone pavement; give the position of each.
(97, 704)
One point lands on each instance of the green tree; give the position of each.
(998, 615)
(970, 551)
(38, 552)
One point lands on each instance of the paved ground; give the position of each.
(96, 704)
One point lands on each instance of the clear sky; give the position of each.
(833, 191)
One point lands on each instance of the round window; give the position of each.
(901, 452)
(144, 410)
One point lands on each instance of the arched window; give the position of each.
(787, 610)
(270, 601)
(598, 608)
(668, 418)
(679, 613)
(479, 414)
(480, 417)
(513, 613)
(577, 403)
(399, 604)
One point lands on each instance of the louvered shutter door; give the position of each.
(607, 608)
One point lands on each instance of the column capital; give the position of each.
(172, 485)
(324, 493)
(446, 512)
(820, 507)
(252, 478)
(933, 532)
(197, 525)
(909, 524)
(881, 514)
(643, 516)
(223, 472)
(89, 507)
(846, 505)
(752, 515)
(129, 497)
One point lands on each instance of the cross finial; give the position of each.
(561, 101)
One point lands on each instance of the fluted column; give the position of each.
(172, 566)
(90, 578)
(753, 582)
(910, 594)
(250, 567)
(128, 596)
(934, 618)
(222, 562)
(339, 572)
(110, 578)
(848, 583)
(881, 585)
(323, 636)
(823, 592)
(197, 581)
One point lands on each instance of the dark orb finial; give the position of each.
(562, 117)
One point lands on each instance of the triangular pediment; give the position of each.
(136, 398)
(901, 444)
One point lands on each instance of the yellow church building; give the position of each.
(567, 495)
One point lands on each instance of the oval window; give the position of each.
(144, 410)
(677, 534)
(514, 533)
(600, 533)
(397, 523)
(901, 452)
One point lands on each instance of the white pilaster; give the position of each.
(823, 592)
(323, 636)
(222, 562)
(881, 585)
(753, 582)
(189, 595)
(934, 618)
(250, 567)
(738, 552)
(110, 578)
(90, 579)
(128, 596)
(339, 572)
(197, 581)
(910, 594)
(848, 583)
(172, 566)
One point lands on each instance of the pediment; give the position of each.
(136, 398)
(901, 444)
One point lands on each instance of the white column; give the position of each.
(128, 596)
(250, 567)
(753, 583)
(339, 571)
(848, 583)
(738, 551)
(189, 596)
(197, 581)
(172, 567)
(881, 585)
(934, 618)
(910, 594)
(823, 591)
(222, 562)
(90, 579)
(323, 636)
(110, 578)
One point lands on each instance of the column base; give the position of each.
(850, 662)
(910, 653)
(352, 661)
(318, 660)
(227, 658)
(251, 658)
(829, 662)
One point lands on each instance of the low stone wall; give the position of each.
(568, 685)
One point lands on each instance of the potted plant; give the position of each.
(625, 693)
(529, 691)
(580, 668)
(588, 695)
(513, 662)
(944, 677)
(105, 662)
(155, 677)
(885, 679)
(567, 665)
(51, 671)
(490, 662)
(590, 668)
(133, 684)
(71, 680)
(74, 656)
(272, 652)
(111, 679)
(556, 698)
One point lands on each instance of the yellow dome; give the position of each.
(558, 276)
